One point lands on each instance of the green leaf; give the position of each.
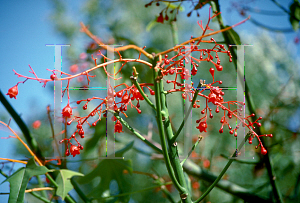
(64, 182)
(19, 180)
(108, 170)
(232, 36)
(295, 15)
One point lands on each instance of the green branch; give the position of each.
(194, 146)
(137, 85)
(40, 197)
(173, 151)
(125, 124)
(223, 171)
(159, 116)
(79, 191)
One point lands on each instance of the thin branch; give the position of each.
(201, 37)
(136, 84)
(30, 140)
(14, 160)
(192, 149)
(39, 189)
(100, 43)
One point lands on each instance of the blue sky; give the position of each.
(26, 29)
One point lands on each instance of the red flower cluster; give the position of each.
(215, 95)
(177, 67)
(74, 150)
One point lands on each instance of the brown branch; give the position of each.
(100, 43)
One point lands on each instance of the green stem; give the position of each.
(165, 131)
(194, 146)
(125, 124)
(40, 183)
(173, 151)
(137, 85)
(40, 197)
(187, 113)
(4, 174)
(79, 191)
(241, 161)
(168, 194)
(194, 170)
(223, 171)
(158, 94)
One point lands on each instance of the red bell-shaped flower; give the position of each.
(118, 127)
(202, 127)
(74, 150)
(67, 111)
(13, 92)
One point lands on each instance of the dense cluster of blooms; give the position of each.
(174, 67)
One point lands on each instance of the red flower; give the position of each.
(263, 151)
(206, 163)
(195, 185)
(215, 95)
(125, 98)
(36, 124)
(212, 97)
(74, 68)
(74, 150)
(13, 92)
(202, 127)
(118, 127)
(160, 18)
(67, 111)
